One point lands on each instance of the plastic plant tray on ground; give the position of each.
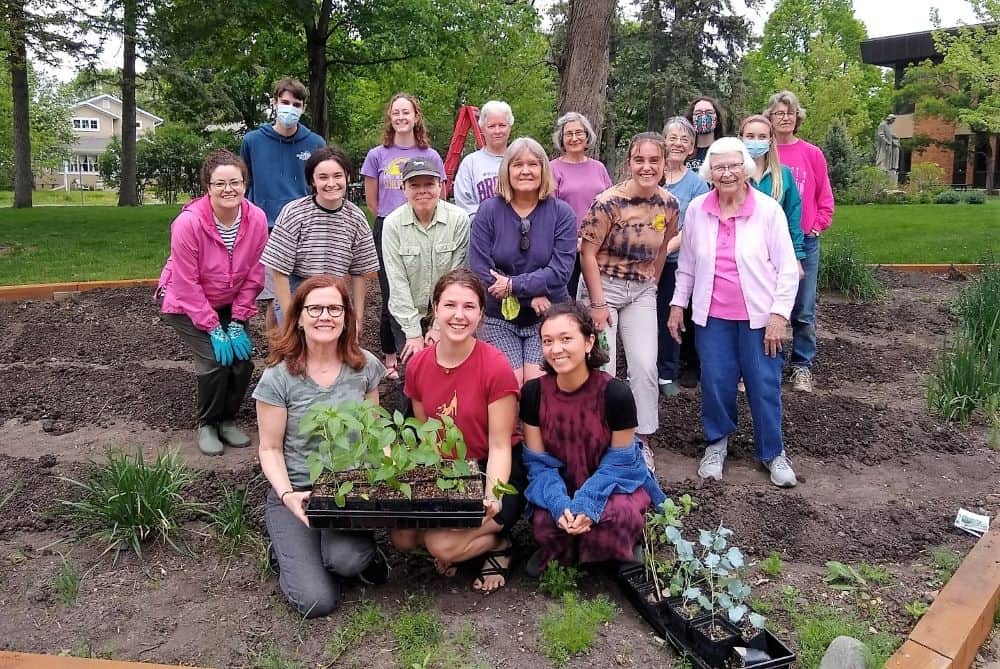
(636, 587)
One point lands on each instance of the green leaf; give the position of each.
(315, 469)
(501, 488)
(405, 489)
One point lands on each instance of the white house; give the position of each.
(95, 121)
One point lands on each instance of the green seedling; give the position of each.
(273, 659)
(772, 565)
(67, 583)
(366, 618)
(419, 633)
(557, 580)
(229, 519)
(840, 576)
(945, 563)
(876, 574)
(570, 626)
(917, 608)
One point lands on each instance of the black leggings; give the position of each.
(385, 337)
(511, 506)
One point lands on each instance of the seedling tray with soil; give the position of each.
(763, 650)
(380, 506)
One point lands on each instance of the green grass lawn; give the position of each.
(47, 244)
(928, 233)
(70, 243)
(61, 197)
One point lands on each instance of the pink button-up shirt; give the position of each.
(762, 249)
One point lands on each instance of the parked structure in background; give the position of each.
(962, 153)
(95, 121)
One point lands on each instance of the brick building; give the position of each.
(966, 155)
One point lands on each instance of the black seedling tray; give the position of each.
(636, 587)
(360, 513)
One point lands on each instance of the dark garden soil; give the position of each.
(880, 482)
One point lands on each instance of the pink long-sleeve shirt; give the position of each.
(765, 258)
(808, 166)
(201, 275)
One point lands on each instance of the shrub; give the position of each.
(926, 178)
(869, 186)
(948, 197)
(127, 502)
(842, 268)
(841, 157)
(975, 197)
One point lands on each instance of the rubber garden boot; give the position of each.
(208, 440)
(233, 435)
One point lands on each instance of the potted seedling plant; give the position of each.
(375, 469)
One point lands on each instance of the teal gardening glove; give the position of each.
(221, 346)
(238, 337)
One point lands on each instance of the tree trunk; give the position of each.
(316, 38)
(17, 58)
(128, 189)
(584, 65)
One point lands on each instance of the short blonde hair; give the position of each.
(516, 148)
(790, 100)
(726, 145)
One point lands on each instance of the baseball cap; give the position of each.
(419, 167)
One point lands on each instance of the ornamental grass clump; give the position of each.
(966, 381)
(128, 502)
(843, 269)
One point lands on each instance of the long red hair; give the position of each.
(420, 136)
(287, 343)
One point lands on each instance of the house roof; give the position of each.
(901, 50)
(90, 103)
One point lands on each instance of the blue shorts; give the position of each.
(522, 344)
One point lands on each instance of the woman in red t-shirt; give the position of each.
(472, 383)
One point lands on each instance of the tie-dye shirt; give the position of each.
(629, 232)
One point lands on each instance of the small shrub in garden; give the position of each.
(230, 519)
(843, 269)
(975, 197)
(127, 502)
(570, 627)
(869, 185)
(948, 197)
(926, 178)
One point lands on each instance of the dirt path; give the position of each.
(880, 483)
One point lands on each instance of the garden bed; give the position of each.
(880, 482)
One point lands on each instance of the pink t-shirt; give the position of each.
(577, 184)
(727, 293)
(808, 166)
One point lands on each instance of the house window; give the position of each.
(138, 124)
(106, 103)
(86, 124)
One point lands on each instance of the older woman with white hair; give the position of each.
(522, 247)
(737, 267)
(476, 179)
(579, 178)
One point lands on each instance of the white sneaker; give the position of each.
(647, 455)
(714, 460)
(782, 474)
(802, 379)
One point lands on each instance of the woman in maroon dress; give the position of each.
(587, 478)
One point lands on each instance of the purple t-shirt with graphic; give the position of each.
(577, 184)
(385, 164)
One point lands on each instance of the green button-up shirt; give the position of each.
(416, 257)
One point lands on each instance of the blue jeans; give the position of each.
(804, 311)
(294, 281)
(668, 350)
(729, 350)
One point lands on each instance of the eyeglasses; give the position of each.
(575, 133)
(722, 169)
(678, 139)
(525, 229)
(316, 310)
(235, 184)
(783, 114)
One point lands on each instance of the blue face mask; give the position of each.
(757, 147)
(288, 115)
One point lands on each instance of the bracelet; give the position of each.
(602, 305)
(281, 497)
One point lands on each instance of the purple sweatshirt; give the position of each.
(544, 269)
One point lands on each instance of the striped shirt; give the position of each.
(228, 234)
(308, 240)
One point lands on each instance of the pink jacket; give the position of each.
(200, 276)
(765, 259)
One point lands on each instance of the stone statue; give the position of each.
(887, 149)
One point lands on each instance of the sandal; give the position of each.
(491, 566)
